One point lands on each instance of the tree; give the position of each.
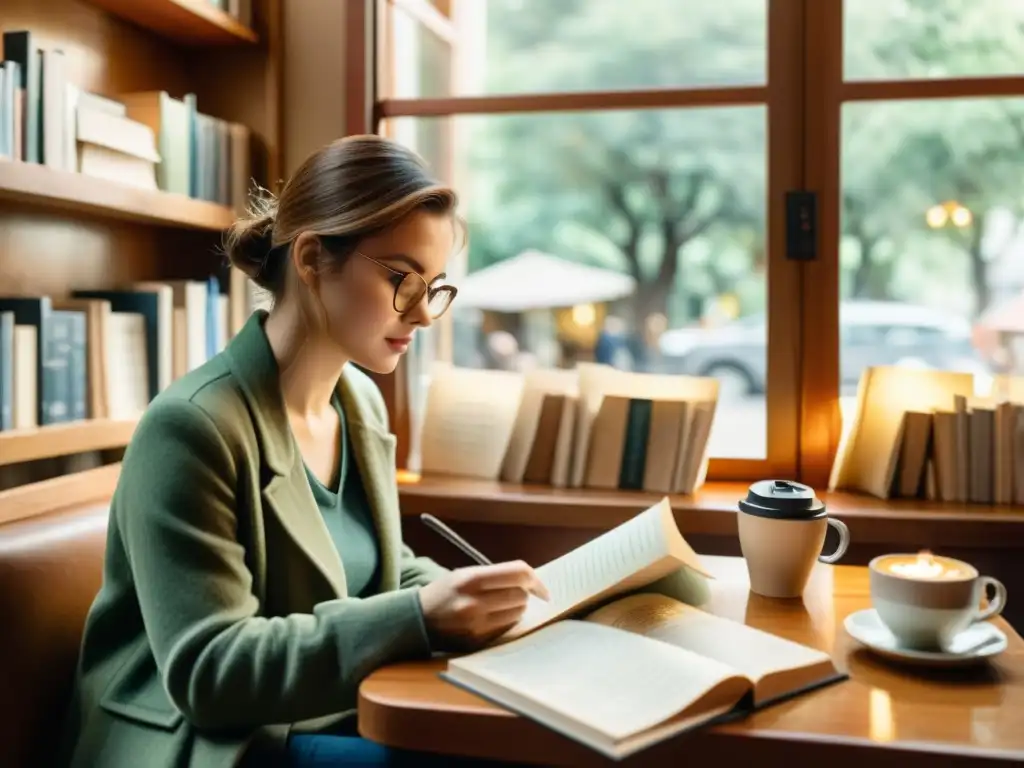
(628, 190)
(902, 158)
(676, 198)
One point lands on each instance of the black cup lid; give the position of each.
(782, 499)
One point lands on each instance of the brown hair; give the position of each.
(348, 190)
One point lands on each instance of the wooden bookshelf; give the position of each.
(62, 232)
(188, 22)
(63, 439)
(57, 190)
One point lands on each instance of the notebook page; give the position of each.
(640, 683)
(750, 651)
(625, 557)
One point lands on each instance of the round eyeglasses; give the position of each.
(411, 288)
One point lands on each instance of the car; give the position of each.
(872, 333)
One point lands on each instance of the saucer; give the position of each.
(976, 643)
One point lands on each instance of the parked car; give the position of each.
(871, 333)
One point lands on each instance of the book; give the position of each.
(641, 551)
(620, 659)
(639, 670)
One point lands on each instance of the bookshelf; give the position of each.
(64, 232)
(58, 190)
(73, 437)
(189, 22)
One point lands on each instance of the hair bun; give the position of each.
(249, 240)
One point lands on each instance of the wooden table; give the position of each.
(883, 715)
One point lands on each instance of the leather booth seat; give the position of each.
(51, 567)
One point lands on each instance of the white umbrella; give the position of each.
(535, 280)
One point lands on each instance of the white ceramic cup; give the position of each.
(927, 600)
(782, 527)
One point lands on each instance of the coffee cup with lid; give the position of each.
(782, 526)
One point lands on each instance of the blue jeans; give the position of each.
(340, 750)
(323, 750)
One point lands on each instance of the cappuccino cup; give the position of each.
(782, 528)
(926, 600)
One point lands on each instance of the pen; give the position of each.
(432, 522)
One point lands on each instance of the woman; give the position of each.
(255, 572)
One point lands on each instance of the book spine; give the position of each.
(6, 370)
(78, 367)
(55, 400)
(19, 48)
(634, 452)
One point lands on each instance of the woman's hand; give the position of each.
(468, 607)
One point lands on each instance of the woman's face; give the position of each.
(359, 298)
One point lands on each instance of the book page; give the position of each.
(468, 421)
(774, 664)
(639, 551)
(609, 683)
(867, 460)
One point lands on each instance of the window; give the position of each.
(631, 237)
(623, 167)
(617, 195)
(931, 39)
(478, 47)
(931, 116)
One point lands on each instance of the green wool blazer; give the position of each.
(223, 619)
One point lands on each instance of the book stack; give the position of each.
(106, 354)
(148, 140)
(926, 434)
(590, 427)
(971, 452)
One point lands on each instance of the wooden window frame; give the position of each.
(781, 95)
(826, 92)
(807, 90)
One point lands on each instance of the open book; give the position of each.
(638, 670)
(644, 549)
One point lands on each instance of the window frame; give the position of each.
(827, 91)
(781, 94)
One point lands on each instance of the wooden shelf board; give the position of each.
(711, 511)
(65, 191)
(63, 439)
(189, 22)
(91, 486)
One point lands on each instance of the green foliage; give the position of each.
(677, 197)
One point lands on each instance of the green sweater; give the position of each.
(347, 515)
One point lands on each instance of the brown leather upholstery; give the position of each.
(50, 570)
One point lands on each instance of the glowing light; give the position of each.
(584, 315)
(961, 217)
(936, 216)
(949, 212)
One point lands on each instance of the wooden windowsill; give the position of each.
(711, 511)
(63, 439)
(38, 185)
(189, 22)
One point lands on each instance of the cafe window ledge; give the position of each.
(710, 511)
